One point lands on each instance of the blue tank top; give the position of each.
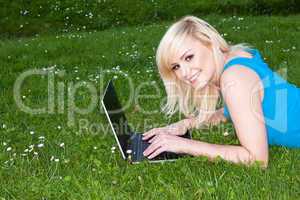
(281, 102)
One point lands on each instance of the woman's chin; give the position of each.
(199, 85)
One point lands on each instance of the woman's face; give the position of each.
(194, 63)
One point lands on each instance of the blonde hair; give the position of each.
(179, 94)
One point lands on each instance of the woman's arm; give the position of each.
(246, 113)
(235, 154)
(244, 105)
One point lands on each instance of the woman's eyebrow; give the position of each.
(182, 56)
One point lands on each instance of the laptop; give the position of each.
(130, 142)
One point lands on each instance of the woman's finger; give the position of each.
(149, 134)
(151, 140)
(154, 138)
(156, 152)
(152, 147)
(145, 137)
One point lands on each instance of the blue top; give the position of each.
(281, 102)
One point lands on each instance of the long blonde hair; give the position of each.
(189, 101)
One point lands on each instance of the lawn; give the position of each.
(52, 156)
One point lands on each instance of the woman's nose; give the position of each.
(186, 72)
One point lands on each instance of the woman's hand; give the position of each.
(166, 142)
(178, 128)
(217, 117)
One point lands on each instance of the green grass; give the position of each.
(27, 18)
(87, 169)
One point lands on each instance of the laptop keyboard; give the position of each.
(139, 146)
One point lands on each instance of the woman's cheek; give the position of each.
(202, 81)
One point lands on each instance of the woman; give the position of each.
(197, 66)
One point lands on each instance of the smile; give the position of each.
(194, 78)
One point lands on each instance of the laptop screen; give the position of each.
(116, 116)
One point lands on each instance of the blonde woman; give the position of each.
(198, 67)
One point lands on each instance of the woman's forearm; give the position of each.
(236, 154)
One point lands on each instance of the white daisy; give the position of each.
(40, 145)
(225, 133)
(41, 137)
(52, 158)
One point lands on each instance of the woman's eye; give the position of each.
(175, 67)
(188, 58)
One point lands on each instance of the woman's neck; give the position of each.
(226, 57)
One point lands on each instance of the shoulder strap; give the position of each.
(255, 63)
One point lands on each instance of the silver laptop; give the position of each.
(129, 142)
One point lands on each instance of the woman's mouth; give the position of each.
(194, 79)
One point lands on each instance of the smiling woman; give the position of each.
(192, 58)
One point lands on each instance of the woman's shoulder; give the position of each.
(238, 67)
(239, 79)
(243, 53)
(239, 74)
(238, 54)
